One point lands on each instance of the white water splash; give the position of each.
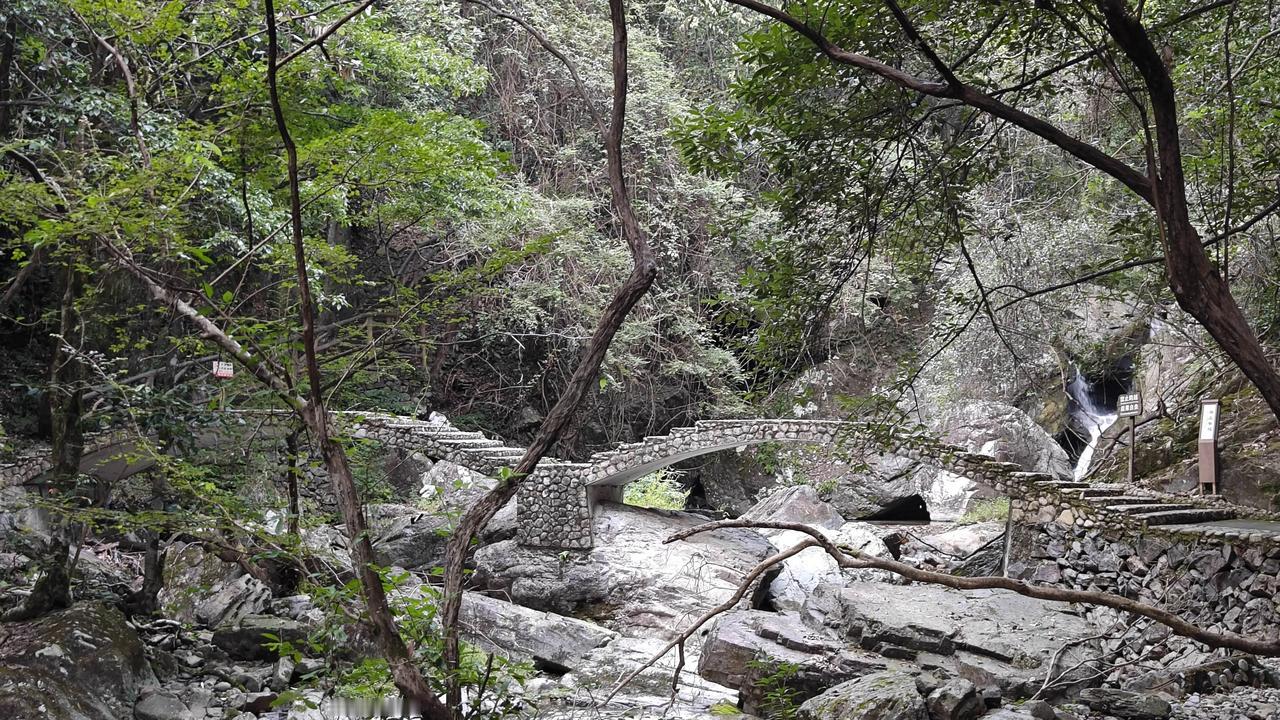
(1094, 418)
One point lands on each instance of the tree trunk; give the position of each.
(293, 470)
(1195, 282)
(644, 271)
(145, 600)
(404, 670)
(52, 590)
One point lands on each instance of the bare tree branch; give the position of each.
(551, 48)
(851, 558)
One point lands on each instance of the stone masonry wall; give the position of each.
(553, 510)
(1223, 578)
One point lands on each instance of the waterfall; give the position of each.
(1092, 416)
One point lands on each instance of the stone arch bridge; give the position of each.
(556, 504)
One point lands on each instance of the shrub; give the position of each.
(661, 490)
(984, 510)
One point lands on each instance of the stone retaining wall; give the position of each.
(1223, 578)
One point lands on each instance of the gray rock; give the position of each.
(1126, 704)
(743, 648)
(888, 695)
(955, 700)
(200, 588)
(281, 674)
(995, 639)
(802, 573)
(406, 536)
(521, 633)
(1007, 434)
(452, 487)
(82, 663)
(633, 582)
(584, 687)
(964, 540)
(1039, 709)
(248, 639)
(796, 504)
(159, 705)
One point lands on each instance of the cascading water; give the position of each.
(1090, 414)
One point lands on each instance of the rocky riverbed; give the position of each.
(808, 640)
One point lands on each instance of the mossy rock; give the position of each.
(888, 695)
(82, 663)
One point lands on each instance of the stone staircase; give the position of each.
(1150, 509)
(472, 450)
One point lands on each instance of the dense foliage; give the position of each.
(461, 241)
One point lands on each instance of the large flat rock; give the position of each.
(991, 637)
(631, 581)
(82, 663)
(744, 647)
(520, 633)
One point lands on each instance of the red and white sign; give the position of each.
(223, 369)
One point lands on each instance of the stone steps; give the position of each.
(1064, 484)
(1181, 517)
(1114, 500)
(1151, 507)
(1102, 491)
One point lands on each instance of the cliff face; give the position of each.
(1173, 371)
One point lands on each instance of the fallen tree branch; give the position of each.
(851, 558)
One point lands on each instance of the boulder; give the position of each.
(964, 540)
(955, 700)
(802, 573)
(795, 504)
(999, 640)
(407, 537)
(519, 633)
(160, 705)
(452, 487)
(887, 695)
(631, 581)
(1007, 434)
(694, 698)
(327, 544)
(745, 647)
(82, 663)
(248, 639)
(1126, 704)
(201, 589)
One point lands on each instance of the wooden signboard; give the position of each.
(1130, 406)
(1208, 446)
